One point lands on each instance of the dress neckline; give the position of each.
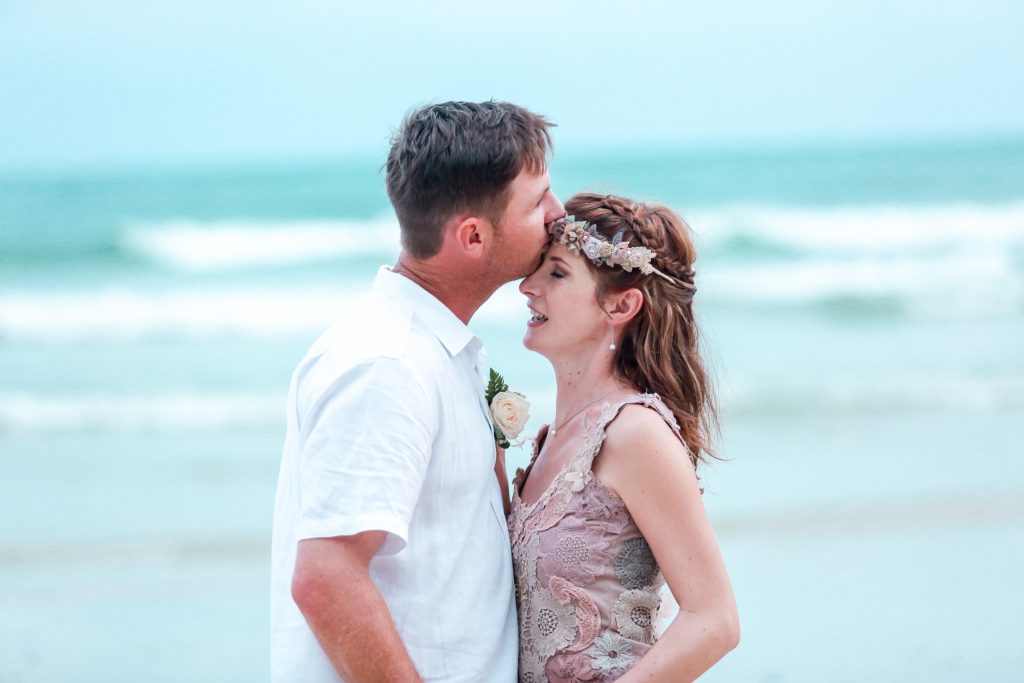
(608, 410)
(517, 490)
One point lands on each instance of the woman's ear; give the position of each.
(622, 307)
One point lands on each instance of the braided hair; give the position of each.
(660, 350)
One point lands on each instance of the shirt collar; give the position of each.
(437, 317)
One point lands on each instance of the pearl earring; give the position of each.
(612, 346)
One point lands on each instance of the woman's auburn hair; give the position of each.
(660, 347)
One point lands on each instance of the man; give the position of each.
(391, 559)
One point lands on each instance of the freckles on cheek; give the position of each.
(581, 308)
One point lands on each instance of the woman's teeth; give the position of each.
(538, 318)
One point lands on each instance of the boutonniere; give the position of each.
(509, 409)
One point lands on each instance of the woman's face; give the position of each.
(561, 295)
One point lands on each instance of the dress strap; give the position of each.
(522, 473)
(596, 435)
(547, 510)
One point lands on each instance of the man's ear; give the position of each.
(622, 307)
(470, 233)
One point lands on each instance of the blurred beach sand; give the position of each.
(857, 550)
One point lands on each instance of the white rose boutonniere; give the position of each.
(509, 409)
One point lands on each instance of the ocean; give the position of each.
(862, 309)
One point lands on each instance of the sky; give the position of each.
(143, 82)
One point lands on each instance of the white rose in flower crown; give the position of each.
(510, 412)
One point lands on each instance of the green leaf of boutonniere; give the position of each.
(495, 385)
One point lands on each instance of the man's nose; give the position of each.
(556, 211)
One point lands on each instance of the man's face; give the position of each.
(522, 233)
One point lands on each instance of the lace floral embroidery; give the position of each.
(611, 653)
(519, 478)
(569, 669)
(588, 617)
(550, 625)
(575, 481)
(604, 509)
(524, 561)
(635, 613)
(576, 550)
(635, 564)
(576, 476)
(550, 507)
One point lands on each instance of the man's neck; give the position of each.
(463, 296)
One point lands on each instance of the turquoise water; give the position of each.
(863, 309)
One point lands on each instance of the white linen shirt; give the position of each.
(388, 430)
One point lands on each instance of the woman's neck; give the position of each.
(581, 381)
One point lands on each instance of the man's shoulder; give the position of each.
(372, 327)
(377, 334)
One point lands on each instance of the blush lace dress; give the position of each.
(587, 584)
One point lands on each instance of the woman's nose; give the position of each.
(526, 287)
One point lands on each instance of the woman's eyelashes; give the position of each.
(556, 273)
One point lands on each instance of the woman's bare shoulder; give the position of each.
(640, 443)
(638, 425)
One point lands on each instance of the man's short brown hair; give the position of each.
(459, 156)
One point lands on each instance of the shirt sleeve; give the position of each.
(365, 450)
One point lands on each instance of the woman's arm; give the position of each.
(648, 467)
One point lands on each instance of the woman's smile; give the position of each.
(537, 319)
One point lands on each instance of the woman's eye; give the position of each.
(557, 273)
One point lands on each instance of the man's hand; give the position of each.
(346, 612)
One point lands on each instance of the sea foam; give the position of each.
(960, 262)
(107, 413)
(958, 288)
(948, 286)
(723, 232)
(25, 413)
(124, 314)
(859, 230)
(955, 393)
(194, 245)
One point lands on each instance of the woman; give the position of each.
(609, 509)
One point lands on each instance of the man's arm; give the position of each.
(346, 612)
(499, 472)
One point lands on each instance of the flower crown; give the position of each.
(580, 237)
